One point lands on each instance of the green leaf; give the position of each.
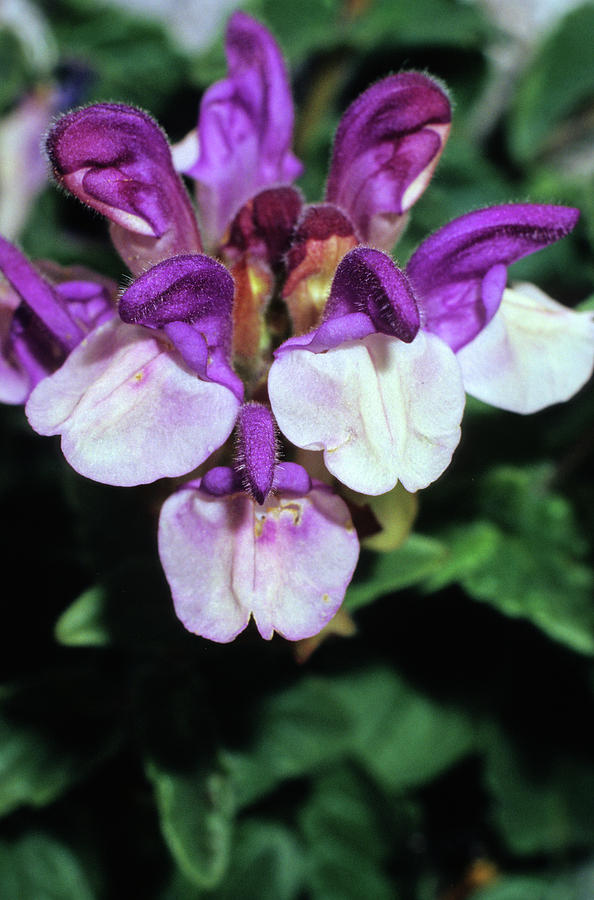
(39, 759)
(81, 624)
(399, 735)
(542, 803)
(267, 862)
(575, 884)
(417, 558)
(40, 868)
(557, 82)
(347, 846)
(196, 814)
(406, 738)
(525, 559)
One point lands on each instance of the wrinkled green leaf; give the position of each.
(417, 558)
(39, 868)
(347, 846)
(543, 804)
(39, 759)
(267, 862)
(525, 559)
(196, 814)
(402, 737)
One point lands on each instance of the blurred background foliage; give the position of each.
(442, 751)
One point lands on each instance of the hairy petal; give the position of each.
(533, 353)
(287, 563)
(129, 410)
(381, 410)
(116, 159)
(367, 281)
(459, 273)
(385, 150)
(256, 449)
(245, 128)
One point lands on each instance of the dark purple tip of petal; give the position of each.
(187, 288)
(472, 244)
(220, 481)
(39, 296)
(367, 281)
(385, 141)
(459, 274)
(256, 449)
(319, 222)
(116, 159)
(291, 478)
(264, 226)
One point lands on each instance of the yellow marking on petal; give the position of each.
(325, 598)
(138, 376)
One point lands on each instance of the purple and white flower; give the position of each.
(261, 541)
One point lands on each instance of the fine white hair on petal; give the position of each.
(535, 352)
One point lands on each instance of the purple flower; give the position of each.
(380, 397)
(261, 540)
(150, 394)
(117, 160)
(373, 374)
(42, 319)
(387, 145)
(517, 349)
(245, 129)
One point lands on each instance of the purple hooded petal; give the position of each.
(256, 450)
(190, 297)
(194, 289)
(367, 281)
(386, 148)
(286, 564)
(245, 128)
(459, 273)
(117, 160)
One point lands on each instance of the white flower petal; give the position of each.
(383, 411)
(128, 409)
(533, 353)
(286, 563)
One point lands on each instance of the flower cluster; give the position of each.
(263, 314)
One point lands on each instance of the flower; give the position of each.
(150, 394)
(232, 548)
(383, 411)
(43, 318)
(302, 328)
(382, 398)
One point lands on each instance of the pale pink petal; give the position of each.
(383, 411)
(286, 563)
(129, 410)
(533, 353)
